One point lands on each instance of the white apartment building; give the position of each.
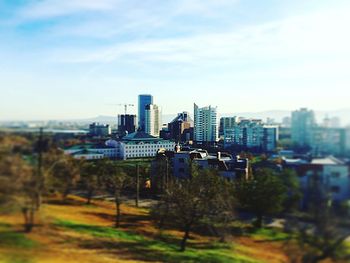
(153, 119)
(205, 124)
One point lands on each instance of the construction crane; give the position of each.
(126, 105)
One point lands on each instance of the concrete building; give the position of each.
(99, 130)
(302, 125)
(328, 141)
(226, 123)
(251, 134)
(205, 124)
(140, 144)
(227, 166)
(329, 174)
(91, 151)
(153, 119)
(144, 100)
(181, 128)
(126, 124)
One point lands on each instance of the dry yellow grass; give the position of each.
(58, 244)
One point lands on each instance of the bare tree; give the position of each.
(189, 202)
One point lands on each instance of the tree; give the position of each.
(64, 174)
(189, 202)
(17, 188)
(263, 194)
(115, 180)
(294, 194)
(91, 174)
(323, 236)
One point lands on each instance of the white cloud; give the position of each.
(319, 34)
(56, 8)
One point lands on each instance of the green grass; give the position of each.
(269, 234)
(14, 242)
(13, 239)
(165, 249)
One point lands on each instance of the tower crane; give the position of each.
(126, 105)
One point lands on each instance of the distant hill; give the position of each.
(277, 115)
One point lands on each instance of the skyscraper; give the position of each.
(153, 119)
(205, 124)
(303, 122)
(126, 124)
(144, 100)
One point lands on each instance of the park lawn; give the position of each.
(76, 232)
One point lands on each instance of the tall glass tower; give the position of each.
(144, 100)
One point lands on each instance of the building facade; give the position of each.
(181, 128)
(144, 100)
(126, 124)
(99, 130)
(302, 125)
(251, 134)
(226, 123)
(153, 119)
(205, 124)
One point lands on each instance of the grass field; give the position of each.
(76, 232)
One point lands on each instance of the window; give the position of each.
(335, 189)
(335, 175)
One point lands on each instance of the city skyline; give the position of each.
(71, 59)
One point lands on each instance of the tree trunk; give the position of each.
(28, 215)
(89, 196)
(259, 220)
(185, 237)
(117, 207)
(137, 186)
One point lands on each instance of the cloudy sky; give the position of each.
(64, 59)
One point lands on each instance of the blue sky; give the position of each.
(64, 59)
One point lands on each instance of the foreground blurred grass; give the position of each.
(75, 232)
(155, 250)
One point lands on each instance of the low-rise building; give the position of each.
(226, 165)
(141, 144)
(99, 130)
(330, 174)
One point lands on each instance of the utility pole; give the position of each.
(39, 180)
(137, 185)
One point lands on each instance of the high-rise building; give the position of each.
(144, 100)
(153, 119)
(181, 128)
(303, 122)
(205, 124)
(251, 134)
(226, 123)
(126, 124)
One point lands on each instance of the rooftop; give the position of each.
(327, 161)
(139, 136)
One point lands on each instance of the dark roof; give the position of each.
(183, 116)
(139, 136)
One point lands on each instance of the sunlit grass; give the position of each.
(151, 249)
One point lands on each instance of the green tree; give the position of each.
(264, 194)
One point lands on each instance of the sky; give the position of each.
(68, 59)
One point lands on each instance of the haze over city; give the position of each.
(70, 59)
